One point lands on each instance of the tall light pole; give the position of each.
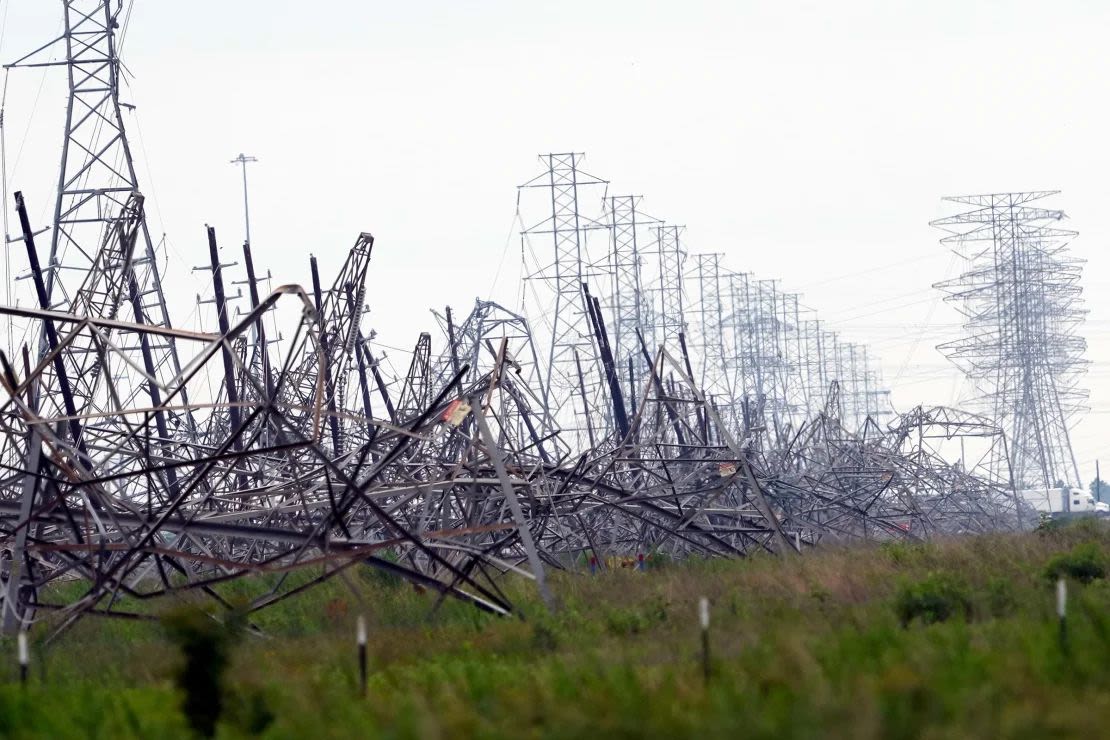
(243, 159)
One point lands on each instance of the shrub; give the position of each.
(936, 598)
(904, 553)
(545, 638)
(1085, 563)
(250, 712)
(632, 621)
(623, 622)
(1048, 526)
(205, 644)
(1001, 599)
(377, 575)
(657, 560)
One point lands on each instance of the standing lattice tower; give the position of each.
(669, 320)
(708, 341)
(1022, 303)
(573, 377)
(97, 173)
(631, 304)
(97, 186)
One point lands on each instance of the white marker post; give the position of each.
(703, 617)
(24, 656)
(361, 637)
(1062, 611)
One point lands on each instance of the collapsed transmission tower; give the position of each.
(1022, 303)
(128, 476)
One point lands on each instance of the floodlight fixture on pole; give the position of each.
(243, 160)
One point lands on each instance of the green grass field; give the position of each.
(811, 646)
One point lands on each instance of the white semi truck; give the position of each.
(1063, 501)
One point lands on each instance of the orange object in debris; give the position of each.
(455, 412)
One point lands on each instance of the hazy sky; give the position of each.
(808, 141)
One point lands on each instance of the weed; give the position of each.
(544, 637)
(936, 598)
(904, 553)
(1048, 526)
(1001, 599)
(374, 574)
(804, 647)
(622, 622)
(1084, 563)
(250, 712)
(204, 643)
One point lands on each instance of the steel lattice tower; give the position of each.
(747, 344)
(1022, 303)
(631, 308)
(572, 359)
(791, 360)
(97, 180)
(711, 350)
(746, 371)
(671, 257)
(97, 173)
(768, 354)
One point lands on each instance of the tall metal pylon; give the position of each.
(1022, 300)
(768, 358)
(97, 177)
(670, 319)
(738, 323)
(816, 382)
(709, 339)
(631, 307)
(573, 373)
(790, 355)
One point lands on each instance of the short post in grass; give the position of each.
(24, 656)
(593, 565)
(703, 618)
(361, 637)
(640, 562)
(1062, 611)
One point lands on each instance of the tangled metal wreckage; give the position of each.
(142, 460)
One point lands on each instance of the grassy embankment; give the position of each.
(808, 646)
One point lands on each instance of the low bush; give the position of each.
(1084, 563)
(545, 636)
(801, 647)
(904, 553)
(623, 622)
(936, 598)
(205, 646)
(1001, 599)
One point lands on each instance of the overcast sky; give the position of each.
(808, 141)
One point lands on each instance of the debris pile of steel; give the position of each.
(142, 460)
